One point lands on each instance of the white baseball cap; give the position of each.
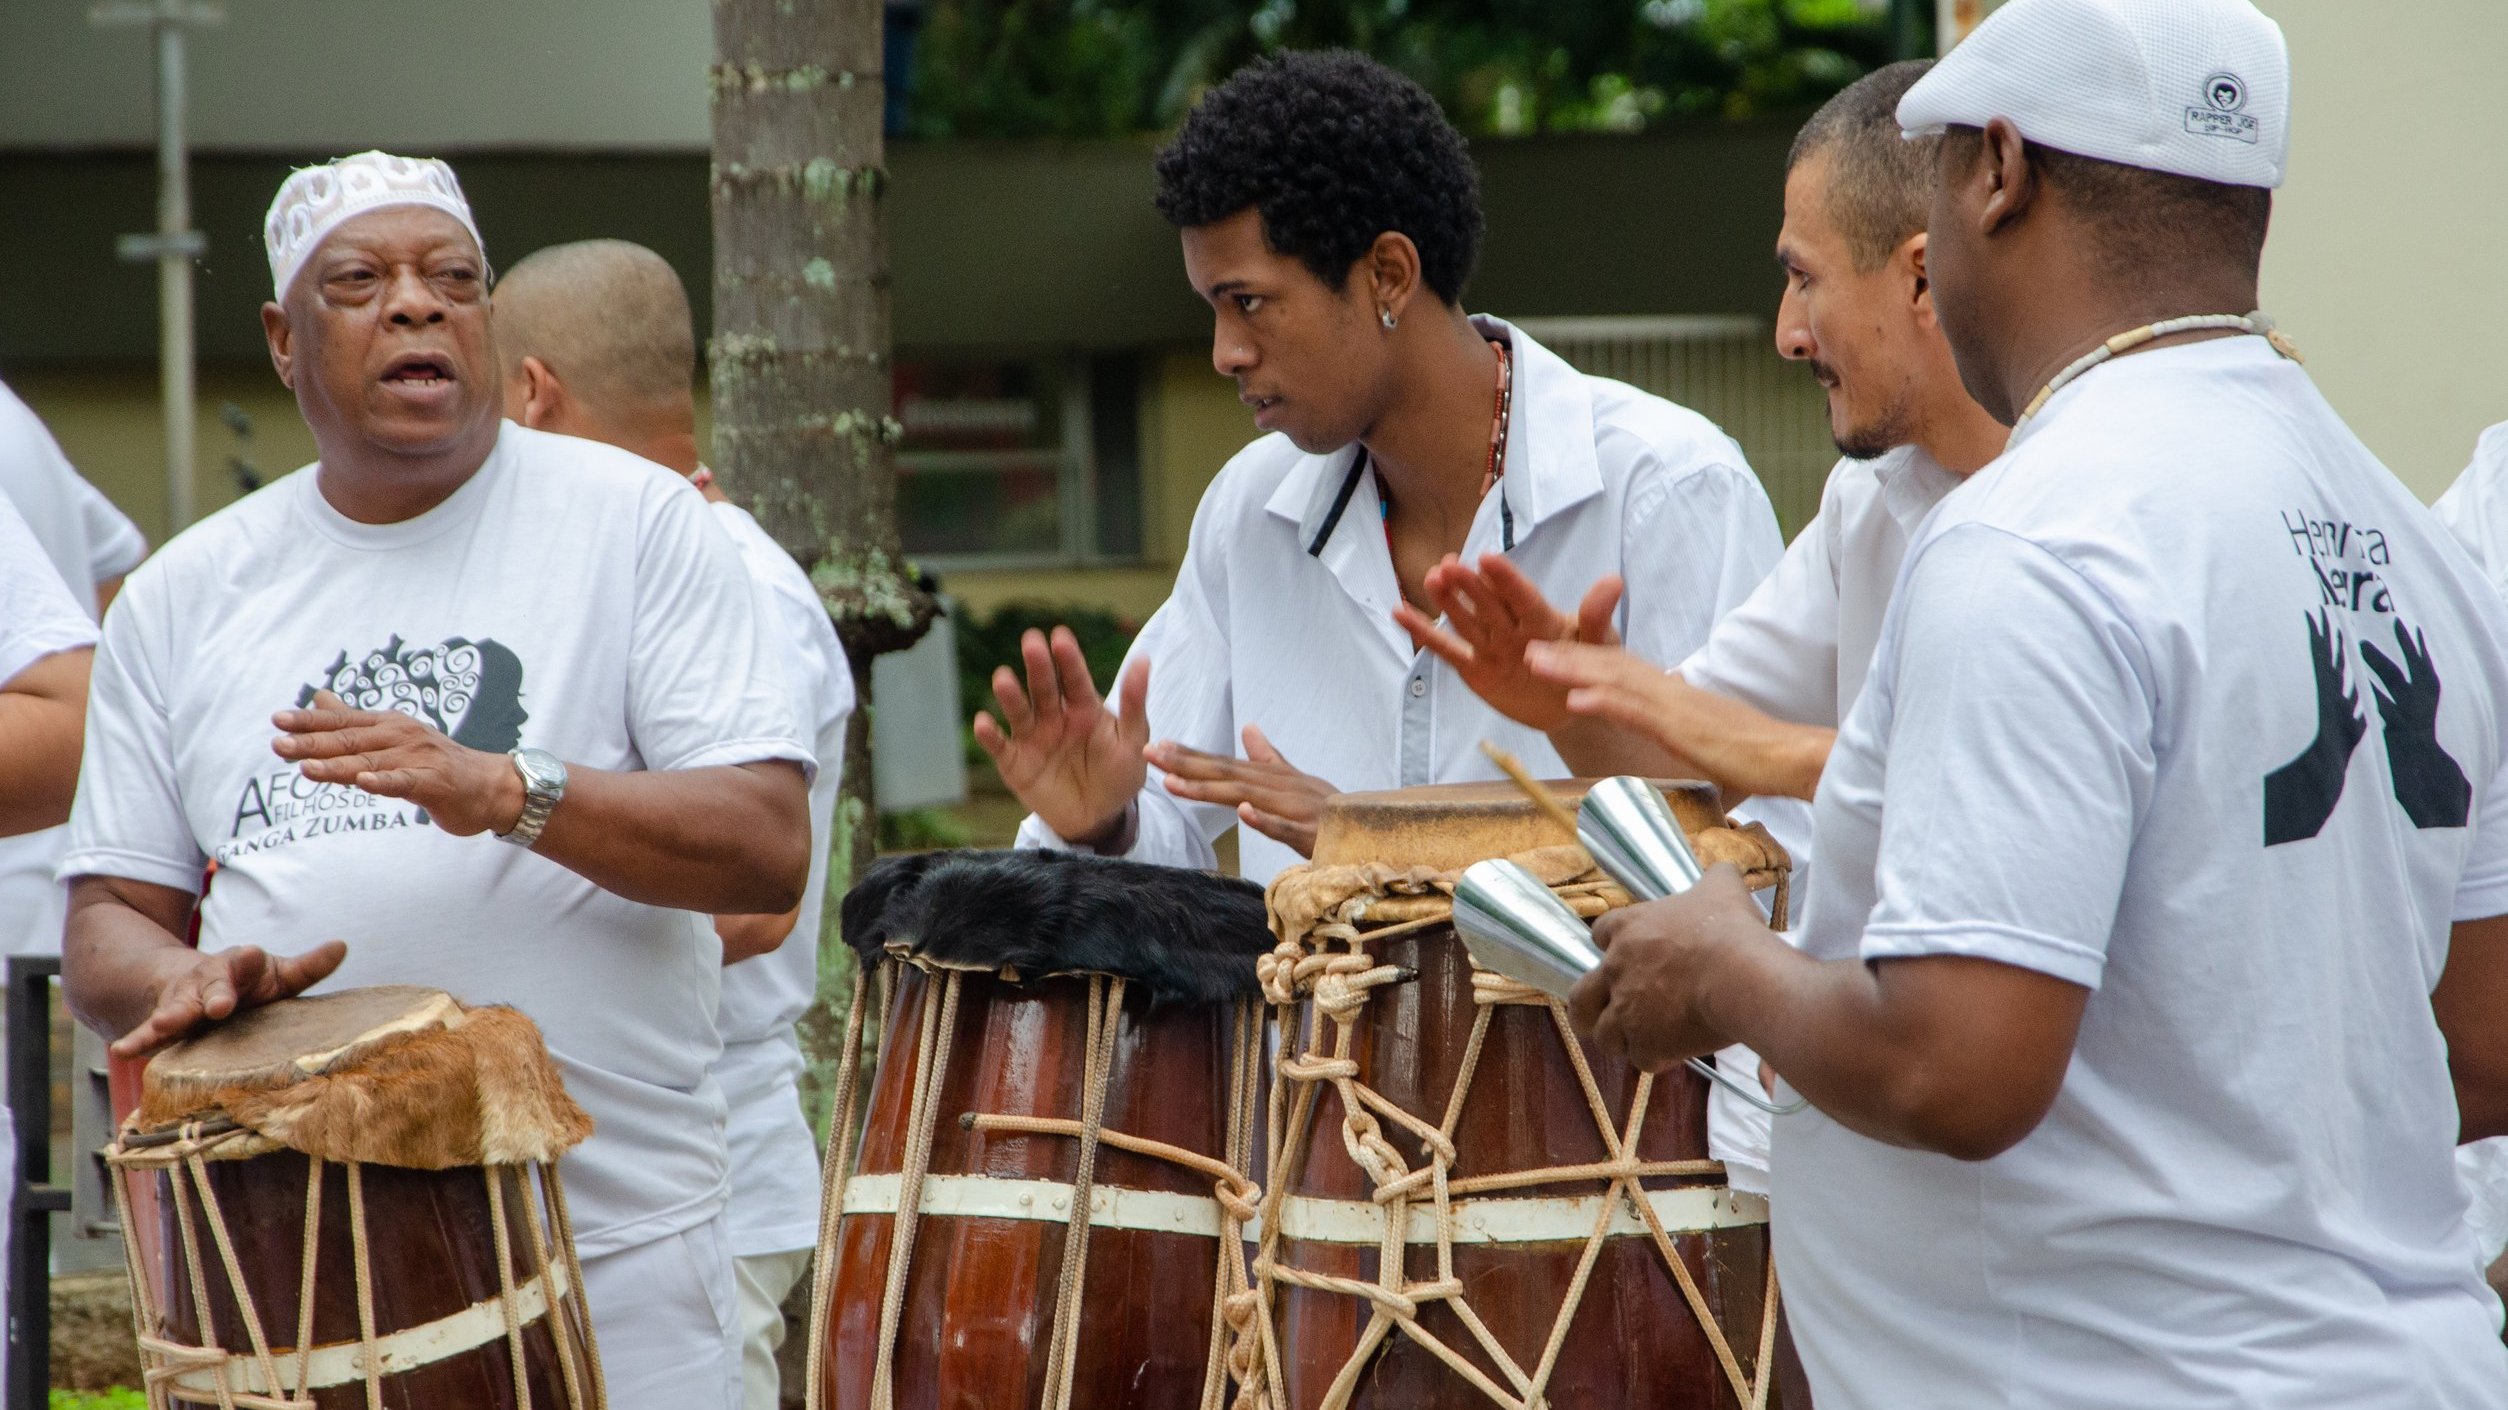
(316, 200)
(2198, 88)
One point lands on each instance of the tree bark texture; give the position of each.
(801, 368)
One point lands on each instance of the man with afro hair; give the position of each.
(1330, 216)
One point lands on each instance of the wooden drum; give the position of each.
(1046, 1203)
(1464, 1203)
(360, 1207)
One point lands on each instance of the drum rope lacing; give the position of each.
(171, 1369)
(1234, 1193)
(1341, 983)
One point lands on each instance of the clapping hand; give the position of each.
(1269, 793)
(1073, 761)
(1492, 612)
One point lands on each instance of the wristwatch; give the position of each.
(544, 782)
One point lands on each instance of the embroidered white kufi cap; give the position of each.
(316, 200)
(2197, 88)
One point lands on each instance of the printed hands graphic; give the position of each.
(2300, 795)
(2429, 783)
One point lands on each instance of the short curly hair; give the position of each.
(1334, 149)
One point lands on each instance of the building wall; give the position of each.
(2383, 264)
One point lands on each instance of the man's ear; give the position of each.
(1910, 260)
(2010, 177)
(282, 339)
(534, 398)
(1392, 269)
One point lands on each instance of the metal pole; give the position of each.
(174, 273)
(174, 245)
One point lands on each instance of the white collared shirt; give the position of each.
(1799, 647)
(1798, 650)
(1282, 615)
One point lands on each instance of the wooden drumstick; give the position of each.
(1533, 788)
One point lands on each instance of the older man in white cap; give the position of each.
(477, 643)
(2131, 1035)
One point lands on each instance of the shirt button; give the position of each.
(1419, 687)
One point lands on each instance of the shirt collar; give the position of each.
(1550, 465)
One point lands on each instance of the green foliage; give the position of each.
(923, 830)
(1099, 68)
(985, 642)
(118, 1398)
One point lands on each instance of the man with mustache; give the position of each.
(1330, 217)
(440, 569)
(2156, 964)
(1754, 710)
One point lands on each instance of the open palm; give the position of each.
(1075, 762)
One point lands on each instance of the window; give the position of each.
(1019, 462)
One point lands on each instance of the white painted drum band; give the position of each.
(1688, 1210)
(345, 1363)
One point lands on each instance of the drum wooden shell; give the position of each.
(979, 1295)
(430, 1243)
(1634, 1339)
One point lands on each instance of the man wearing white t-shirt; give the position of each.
(1330, 216)
(47, 641)
(92, 545)
(596, 340)
(457, 627)
(2163, 924)
(2475, 510)
(1756, 708)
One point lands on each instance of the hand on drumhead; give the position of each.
(1073, 761)
(391, 755)
(214, 985)
(1492, 613)
(1269, 793)
(1646, 1002)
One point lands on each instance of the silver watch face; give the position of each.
(543, 773)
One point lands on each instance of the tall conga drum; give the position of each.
(360, 1210)
(1046, 1203)
(1464, 1203)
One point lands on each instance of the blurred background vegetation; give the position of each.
(1104, 68)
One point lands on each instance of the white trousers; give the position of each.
(668, 1322)
(766, 1279)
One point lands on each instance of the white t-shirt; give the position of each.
(2122, 728)
(1282, 615)
(774, 1161)
(571, 597)
(2475, 509)
(88, 541)
(38, 618)
(1798, 650)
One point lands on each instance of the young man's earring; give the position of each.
(1385, 315)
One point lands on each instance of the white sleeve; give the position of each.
(38, 616)
(1190, 702)
(1777, 652)
(129, 820)
(704, 686)
(2015, 695)
(114, 544)
(1693, 548)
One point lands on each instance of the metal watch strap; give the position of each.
(538, 802)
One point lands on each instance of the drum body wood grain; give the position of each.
(1633, 1338)
(980, 1293)
(431, 1235)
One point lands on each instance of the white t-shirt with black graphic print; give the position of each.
(2184, 700)
(570, 597)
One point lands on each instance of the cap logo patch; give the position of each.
(2223, 113)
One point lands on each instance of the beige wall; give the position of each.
(2384, 263)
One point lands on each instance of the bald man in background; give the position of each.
(596, 341)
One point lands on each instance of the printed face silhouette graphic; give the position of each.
(471, 690)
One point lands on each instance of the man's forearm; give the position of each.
(43, 722)
(1945, 1054)
(1599, 748)
(722, 841)
(115, 957)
